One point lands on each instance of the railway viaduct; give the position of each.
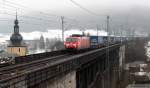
(99, 68)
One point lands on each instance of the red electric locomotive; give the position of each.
(76, 42)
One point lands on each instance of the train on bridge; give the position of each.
(80, 42)
(74, 42)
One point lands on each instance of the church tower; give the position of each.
(17, 45)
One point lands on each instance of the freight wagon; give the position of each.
(97, 41)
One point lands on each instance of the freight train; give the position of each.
(79, 42)
(74, 42)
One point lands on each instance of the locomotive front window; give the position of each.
(71, 40)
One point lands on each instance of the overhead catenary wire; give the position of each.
(40, 12)
(29, 17)
(7, 6)
(45, 17)
(24, 22)
(85, 9)
(66, 27)
(28, 8)
(44, 14)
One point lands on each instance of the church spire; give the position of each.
(16, 38)
(16, 15)
(16, 26)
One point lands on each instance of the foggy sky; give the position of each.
(132, 14)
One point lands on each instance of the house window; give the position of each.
(19, 49)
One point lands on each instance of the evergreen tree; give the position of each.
(83, 33)
(42, 43)
(88, 34)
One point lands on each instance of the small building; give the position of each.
(16, 44)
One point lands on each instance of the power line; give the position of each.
(13, 5)
(46, 14)
(30, 9)
(23, 22)
(25, 8)
(87, 10)
(17, 6)
(83, 8)
(28, 17)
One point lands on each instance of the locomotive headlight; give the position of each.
(67, 44)
(74, 44)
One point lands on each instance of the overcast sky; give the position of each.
(41, 15)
